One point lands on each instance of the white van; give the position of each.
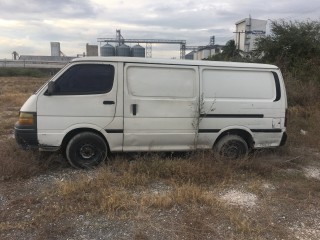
(97, 105)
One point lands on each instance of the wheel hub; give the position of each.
(232, 152)
(87, 151)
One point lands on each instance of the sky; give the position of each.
(28, 27)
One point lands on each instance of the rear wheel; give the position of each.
(231, 147)
(86, 150)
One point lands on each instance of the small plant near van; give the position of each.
(230, 146)
(198, 118)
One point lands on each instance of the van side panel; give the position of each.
(245, 99)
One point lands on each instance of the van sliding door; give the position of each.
(160, 107)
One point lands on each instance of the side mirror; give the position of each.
(51, 88)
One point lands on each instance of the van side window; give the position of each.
(162, 82)
(83, 79)
(238, 84)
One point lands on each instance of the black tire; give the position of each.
(86, 150)
(231, 147)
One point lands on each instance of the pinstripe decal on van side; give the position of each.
(114, 130)
(231, 115)
(275, 130)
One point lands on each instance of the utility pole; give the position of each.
(239, 37)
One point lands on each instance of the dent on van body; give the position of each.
(265, 140)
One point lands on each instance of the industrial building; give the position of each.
(121, 49)
(56, 55)
(118, 47)
(91, 50)
(247, 31)
(204, 52)
(55, 49)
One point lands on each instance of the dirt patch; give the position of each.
(312, 172)
(305, 233)
(239, 198)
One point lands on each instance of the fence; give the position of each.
(31, 64)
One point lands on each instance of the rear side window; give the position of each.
(85, 79)
(238, 84)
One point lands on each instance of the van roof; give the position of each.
(175, 62)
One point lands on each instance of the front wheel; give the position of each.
(231, 147)
(86, 150)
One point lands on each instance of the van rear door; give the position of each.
(160, 107)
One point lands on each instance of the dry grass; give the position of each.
(174, 202)
(156, 196)
(303, 126)
(122, 191)
(15, 163)
(304, 109)
(302, 93)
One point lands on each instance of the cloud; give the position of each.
(31, 25)
(43, 9)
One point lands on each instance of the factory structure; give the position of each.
(120, 46)
(92, 50)
(204, 52)
(248, 30)
(56, 55)
(246, 33)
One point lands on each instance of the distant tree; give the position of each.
(230, 50)
(292, 45)
(229, 53)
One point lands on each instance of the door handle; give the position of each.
(108, 102)
(134, 109)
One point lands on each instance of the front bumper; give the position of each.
(26, 136)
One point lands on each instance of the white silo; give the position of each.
(55, 49)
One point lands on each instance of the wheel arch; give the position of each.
(245, 134)
(76, 131)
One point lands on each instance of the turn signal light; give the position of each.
(26, 118)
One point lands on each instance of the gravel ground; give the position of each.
(155, 224)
